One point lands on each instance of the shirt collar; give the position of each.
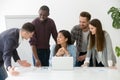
(20, 37)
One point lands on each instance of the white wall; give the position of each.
(64, 12)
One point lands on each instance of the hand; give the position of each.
(85, 64)
(60, 52)
(12, 71)
(66, 51)
(38, 63)
(81, 58)
(112, 67)
(24, 63)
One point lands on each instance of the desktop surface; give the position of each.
(78, 73)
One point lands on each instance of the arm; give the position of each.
(9, 47)
(7, 54)
(54, 31)
(72, 50)
(110, 53)
(37, 61)
(34, 50)
(88, 55)
(87, 59)
(81, 58)
(73, 35)
(61, 52)
(15, 55)
(51, 54)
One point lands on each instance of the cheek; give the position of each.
(90, 30)
(94, 31)
(58, 40)
(28, 36)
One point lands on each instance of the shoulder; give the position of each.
(76, 28)
(106, 34)
(12, 31)
(36, 20)
(50, 20)
(71, 47)
(11, 35)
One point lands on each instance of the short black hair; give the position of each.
(86, 14)
(44, 7)
(28, 27)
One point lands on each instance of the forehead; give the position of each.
(60, 34)
(91, 26)
(83, 18)
(43, 12)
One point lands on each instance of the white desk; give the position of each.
(90, 73)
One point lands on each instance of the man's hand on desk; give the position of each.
(81, 58)
(12, 71)
(37, 63)
(85, 64)
(24, 63)
(112, 67)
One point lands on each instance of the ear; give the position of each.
(66, 39)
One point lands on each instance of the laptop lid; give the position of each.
(62, 63)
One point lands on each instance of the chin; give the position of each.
(26, 38)
(42, 19)
(93, 34)
(58, 43)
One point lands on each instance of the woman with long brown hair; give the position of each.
(100, 46)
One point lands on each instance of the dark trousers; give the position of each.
(43, 55)
(96, 64)
(3, 73)
(79, 63)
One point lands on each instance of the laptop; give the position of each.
(62, 63)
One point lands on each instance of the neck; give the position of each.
(64, 45)
(21, 34)
(85, 29)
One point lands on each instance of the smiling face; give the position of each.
(83, 22)
(61, 39)
(43, 14)
(92, 29)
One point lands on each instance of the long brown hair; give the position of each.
(97, 40)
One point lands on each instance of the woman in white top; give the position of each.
(99, 46)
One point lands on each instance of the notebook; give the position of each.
(62, 63)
